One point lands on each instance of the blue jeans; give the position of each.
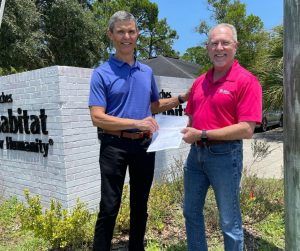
(219, 166)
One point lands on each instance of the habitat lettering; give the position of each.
(24, 123)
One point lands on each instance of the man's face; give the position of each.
(221, 47)
(124, 36)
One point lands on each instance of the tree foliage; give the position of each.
(251, 35)
(198, 55)
(73, 34)
(156, 37)
(39, 33)
(21, 40)
(158, 40)
(259, 51)
(270, 70)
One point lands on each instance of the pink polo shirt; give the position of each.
(234, 98)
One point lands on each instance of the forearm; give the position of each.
(108, 122)
(242, 130)
(164, 105)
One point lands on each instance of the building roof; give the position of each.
(172, 67)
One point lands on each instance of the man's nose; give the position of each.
(126, 35)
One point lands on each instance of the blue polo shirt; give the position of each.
(124, 91)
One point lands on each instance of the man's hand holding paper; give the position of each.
(169, 134)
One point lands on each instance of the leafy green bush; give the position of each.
(123, 219)
(272, 229)
(174, 178)
(160, 205)
(260, 198)
(211, 212)
(56, 225)
(8, 211)
(7, 71)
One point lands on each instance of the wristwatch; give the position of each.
(180, 100)
(204, 136)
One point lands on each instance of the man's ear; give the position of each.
(109, 34)
(237, 45)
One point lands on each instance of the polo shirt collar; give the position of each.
(121, 63)
(230, 75)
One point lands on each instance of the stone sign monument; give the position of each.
(47, 141)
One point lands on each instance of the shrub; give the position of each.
(123, 219)
(260, 150)
(56, 225)
(159, 204)
(174, 177)
(211, 212)
(8, 211)
(259, 197)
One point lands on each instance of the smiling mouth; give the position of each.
(220, 55)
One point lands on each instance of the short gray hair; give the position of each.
(231, 27)
(120, 16)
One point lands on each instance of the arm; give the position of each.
(242, 130)
(165, 104)
(107, 122)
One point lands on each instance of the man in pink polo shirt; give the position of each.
(224, 106)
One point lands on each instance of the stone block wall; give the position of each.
(47, 141)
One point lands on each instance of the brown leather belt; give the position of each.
(211, 142)
(128, 135)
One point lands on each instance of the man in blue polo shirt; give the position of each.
(123, 96)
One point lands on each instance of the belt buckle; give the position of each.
(139, 135)
(147, 134)
(201, 143)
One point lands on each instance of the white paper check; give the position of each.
(168, 135)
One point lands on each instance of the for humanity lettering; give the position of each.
(38, 146)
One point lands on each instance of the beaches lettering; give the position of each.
(6, 98)
(178, 111)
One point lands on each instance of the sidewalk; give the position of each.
(270, 166)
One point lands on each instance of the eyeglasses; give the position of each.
(224, 44)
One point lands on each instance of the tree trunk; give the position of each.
(1, 11)
(292, 123)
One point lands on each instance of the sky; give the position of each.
(184, 15)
